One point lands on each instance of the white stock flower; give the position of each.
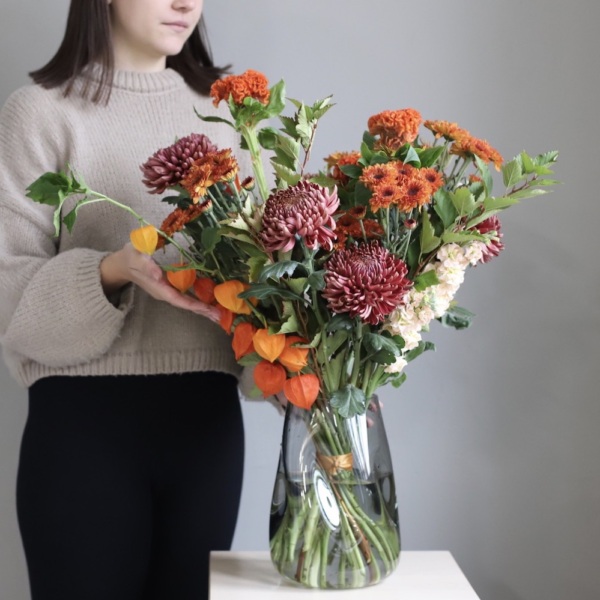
(396, 366)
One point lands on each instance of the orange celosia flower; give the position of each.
(395, 127)
(182, 279)
(376, 175)
(227, 296)
(268, 346)
(294, 359)
(269, 378)
(226, 318)
(302, 390)
(144, 239)
(180, 217)
(249, 84)
(204, 288)
(242, 339)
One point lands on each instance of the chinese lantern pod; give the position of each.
(269, 378)
(302, 390)
(182, 279)
(204, 288)
(227, 296)
(292, 358)
(144, 239)
(268, 346)
(242, 339)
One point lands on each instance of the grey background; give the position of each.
(495, 436)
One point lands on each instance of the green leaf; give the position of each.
(353, 171)
(444, 208)
(250, 360)
(255, 265)
(349, 401)
(527, 193)
(278, 270)
(340, 321)
(50, 188)
(499, 203)
(512, 172)
(527, 162)
(463, 201)
(425, 280)
(286, 174)
(429, 156)
(297, 284)
(409, 155)
(429, 241)
(304, 128)
(316, 280)
(289, 125)
(267, 137)
(462, 237)
(422, 347)
(210, 238)
(485, 174)
(457, 317)
(398, 381)
(210, 119)
(265, 290)
(289, 324)
(276, 99)
(375, 343)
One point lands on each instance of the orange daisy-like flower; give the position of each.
(179, 218)
(469, 146)
(434, 178)
(249, 84)
(339, 159)
(352, 223)
(376, 175)
(384, 196)
(212, 168)
(395, 127)
(403, 169)
(414, 192)
(445, 129)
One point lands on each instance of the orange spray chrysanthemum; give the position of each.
(445, 129)
(214, 167)
(250, 84)
(180, 217)
(470, 146)
(340, 159)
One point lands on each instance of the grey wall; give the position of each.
(495, 436)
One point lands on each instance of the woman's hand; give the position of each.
(128, 265)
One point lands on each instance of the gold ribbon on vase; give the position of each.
(334, 464)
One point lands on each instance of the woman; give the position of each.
(132, 456)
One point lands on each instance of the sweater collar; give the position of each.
(134, 81)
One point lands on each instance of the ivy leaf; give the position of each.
(349, 401)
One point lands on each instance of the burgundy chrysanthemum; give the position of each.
(168, 166)
(365, 281)
(494, 247)
(304, 210)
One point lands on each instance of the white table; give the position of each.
(419, 576)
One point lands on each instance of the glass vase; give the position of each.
(334, 517)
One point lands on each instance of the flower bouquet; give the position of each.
(326, 283)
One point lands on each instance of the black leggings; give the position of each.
(126, 483)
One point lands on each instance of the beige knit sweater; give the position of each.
(54, 316)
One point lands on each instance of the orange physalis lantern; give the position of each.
(226, 318)
(269, 378)
(182, 279)
(242, 339)
(227, 296)
(204, 288)
(268, 346)
(144, 239)
(302, 390)
(292, 358)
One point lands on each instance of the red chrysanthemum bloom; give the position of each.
(395, 127)
(304, 210)
(365, 281)
(168, 166)
(495, 246)
(250, 84)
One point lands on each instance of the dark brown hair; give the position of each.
(87, 40)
